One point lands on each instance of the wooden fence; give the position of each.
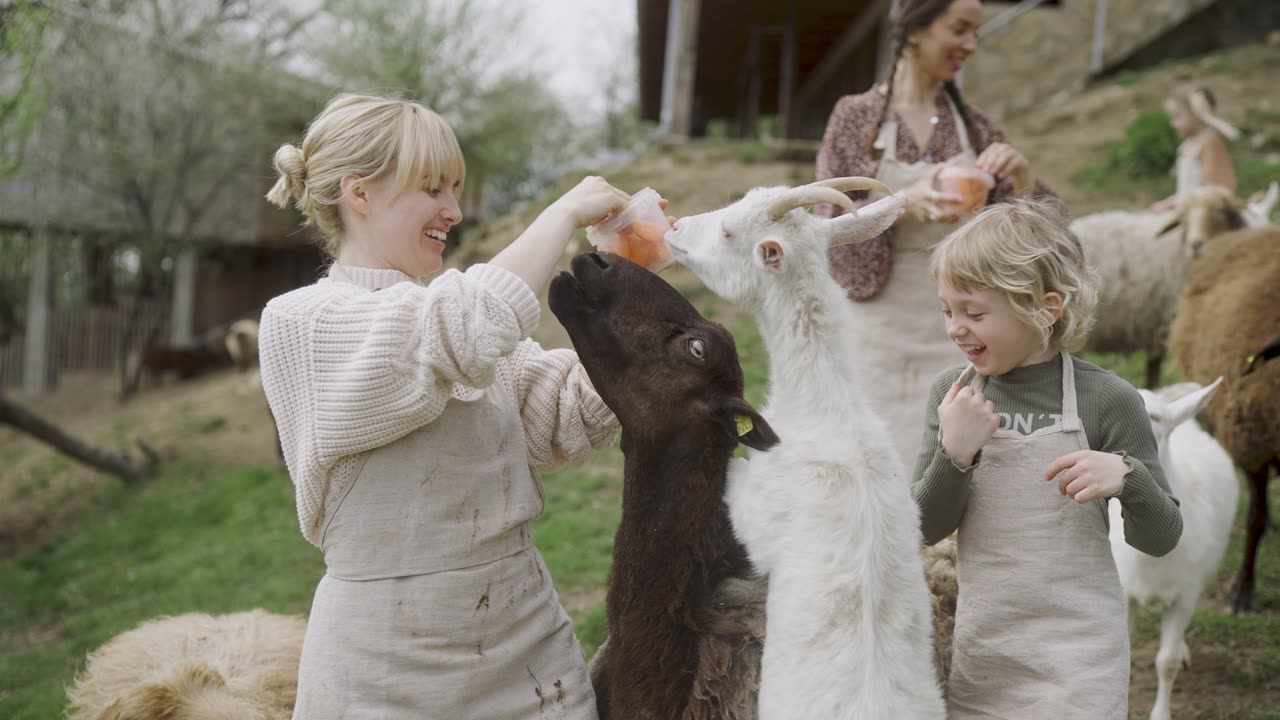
(84, 339)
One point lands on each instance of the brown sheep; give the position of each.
(1229, 312)
(194, 667)
(684, 615)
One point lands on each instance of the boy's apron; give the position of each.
(435, 603)
(901, 338)
(1041, 630)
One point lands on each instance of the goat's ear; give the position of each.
(1174, 222)
(868, 221)
(769, 254)
(1189, 405)
(742, 423)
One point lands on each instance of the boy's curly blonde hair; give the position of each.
(1024, 249)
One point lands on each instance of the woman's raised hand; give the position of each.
(590, 201)
(927, 204)
(1004, 161)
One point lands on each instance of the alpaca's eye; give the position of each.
(696, 349)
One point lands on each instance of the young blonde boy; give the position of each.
(1022, 450)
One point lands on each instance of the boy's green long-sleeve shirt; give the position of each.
(1029, 398)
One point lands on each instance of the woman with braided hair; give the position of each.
(904, 132)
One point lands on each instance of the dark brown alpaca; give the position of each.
(684, 613)
(1225, 322)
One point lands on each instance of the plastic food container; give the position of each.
(969, 183)
(636, 232)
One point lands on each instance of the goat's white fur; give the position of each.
(1202, 477)
(828, 513)
(1258, 212)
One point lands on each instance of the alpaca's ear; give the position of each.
(742, 423)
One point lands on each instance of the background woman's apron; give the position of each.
(1188, 169)
(901, 338)
(1041, 630)
(436, 604)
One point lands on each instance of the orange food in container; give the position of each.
(637, 232)
(969, 183)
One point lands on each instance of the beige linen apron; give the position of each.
(901, 337)
(1040, 620)
(1188, 169)
(435, 603)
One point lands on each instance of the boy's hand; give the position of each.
(967, 420)
(1087, 475)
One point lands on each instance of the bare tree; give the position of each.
(159, 116)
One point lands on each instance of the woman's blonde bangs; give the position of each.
(429, 152)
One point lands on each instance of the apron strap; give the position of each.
(960, 126)
(1070, 411)
(887, 141)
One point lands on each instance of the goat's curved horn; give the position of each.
(850, 184)
(807, 195)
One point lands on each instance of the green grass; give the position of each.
(194, 539)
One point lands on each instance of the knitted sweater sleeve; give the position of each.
(347, 370)
(562, 415)
(939, 486)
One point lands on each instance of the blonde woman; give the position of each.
(413, 418)
(1024, 447)
(1203, 159)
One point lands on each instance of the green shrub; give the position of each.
(1149, 147)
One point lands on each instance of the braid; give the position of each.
(899, 45)
(953, 91)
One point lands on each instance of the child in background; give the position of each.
(1202, 156)
(1022, 450)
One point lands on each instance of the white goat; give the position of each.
(1258, 211)
(1203, 478)
(1143, 266)
(827, 514)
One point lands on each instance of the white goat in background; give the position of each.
(828, 513)
(1203, 478)
(1258, 212)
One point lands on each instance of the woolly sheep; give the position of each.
(1226, 314)
(194, 667)
(1203, 479)
(828, 514)
(1143, 267)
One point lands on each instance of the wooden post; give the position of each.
(35, 378)
(182, 317)
(750, 108)
(680, 66)
(787, 74)
(1099, 36)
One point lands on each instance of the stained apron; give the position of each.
(435, 602)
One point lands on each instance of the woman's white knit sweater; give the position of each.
(365, 356)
